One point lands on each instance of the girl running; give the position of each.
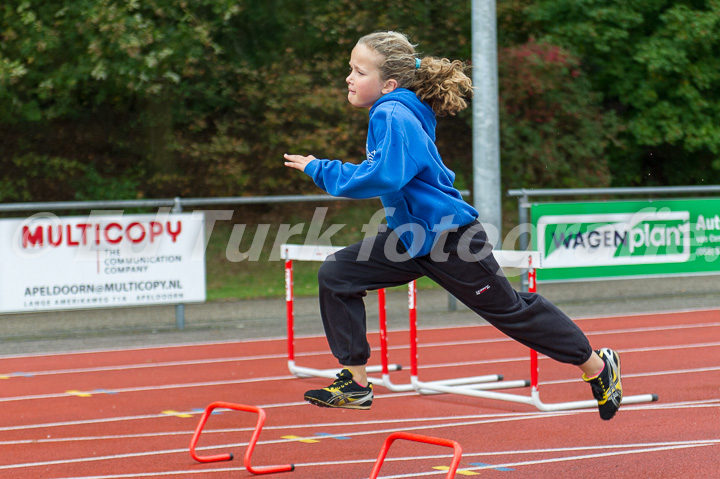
(431, 230)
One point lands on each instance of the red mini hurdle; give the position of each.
(251, 445)
(457, 450)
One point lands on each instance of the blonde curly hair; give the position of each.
(440, 82)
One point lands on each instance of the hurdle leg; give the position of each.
(386, 381)
(457, 450)
(565, 406)
(535, 373)
(251, 445)
(305, 372)
(472, 384)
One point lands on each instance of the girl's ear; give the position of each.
(389, 86)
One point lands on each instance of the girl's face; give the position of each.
(365, 86)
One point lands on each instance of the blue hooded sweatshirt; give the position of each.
(402, 167)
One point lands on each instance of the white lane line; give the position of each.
(139, 348)
(266, 428)
(653, 406)
(643, 450)
(541, 357)
(361, 433)
(266, 406)
(489, 419)
(266, 357)
(618, 448)
(154, 388)
(315, 336)
(322, 352)
(281, 378)
(641, 375)
(123, 367)
(161, 474)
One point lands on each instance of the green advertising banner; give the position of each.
(620, 239)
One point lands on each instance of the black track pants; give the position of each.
(462, 264)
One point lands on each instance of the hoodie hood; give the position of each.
(419, 108)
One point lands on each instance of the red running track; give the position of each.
(132, 413)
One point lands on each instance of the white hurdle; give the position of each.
(291, 252)
(476, 386)
(527, 260)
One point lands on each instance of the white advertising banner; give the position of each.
(101, 260)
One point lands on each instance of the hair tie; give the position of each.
(417, 63)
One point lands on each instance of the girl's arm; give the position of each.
(387, 173)
(386, 170)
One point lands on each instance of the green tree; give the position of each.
(130, 98)
(657, 64)
(102, 82)
(554, 132)
(183, 97)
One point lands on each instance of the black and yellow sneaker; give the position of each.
(344, 393)
(606, 386)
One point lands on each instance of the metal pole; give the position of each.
(641, 190)
(523, 219)
(179, 308)
(486, 130)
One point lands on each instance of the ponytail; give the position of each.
(443, 84)
(440, 82)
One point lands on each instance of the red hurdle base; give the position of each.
(457, 450)
(251, 444)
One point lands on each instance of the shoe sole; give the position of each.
(319, 403)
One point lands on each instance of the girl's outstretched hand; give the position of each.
(297, 161)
